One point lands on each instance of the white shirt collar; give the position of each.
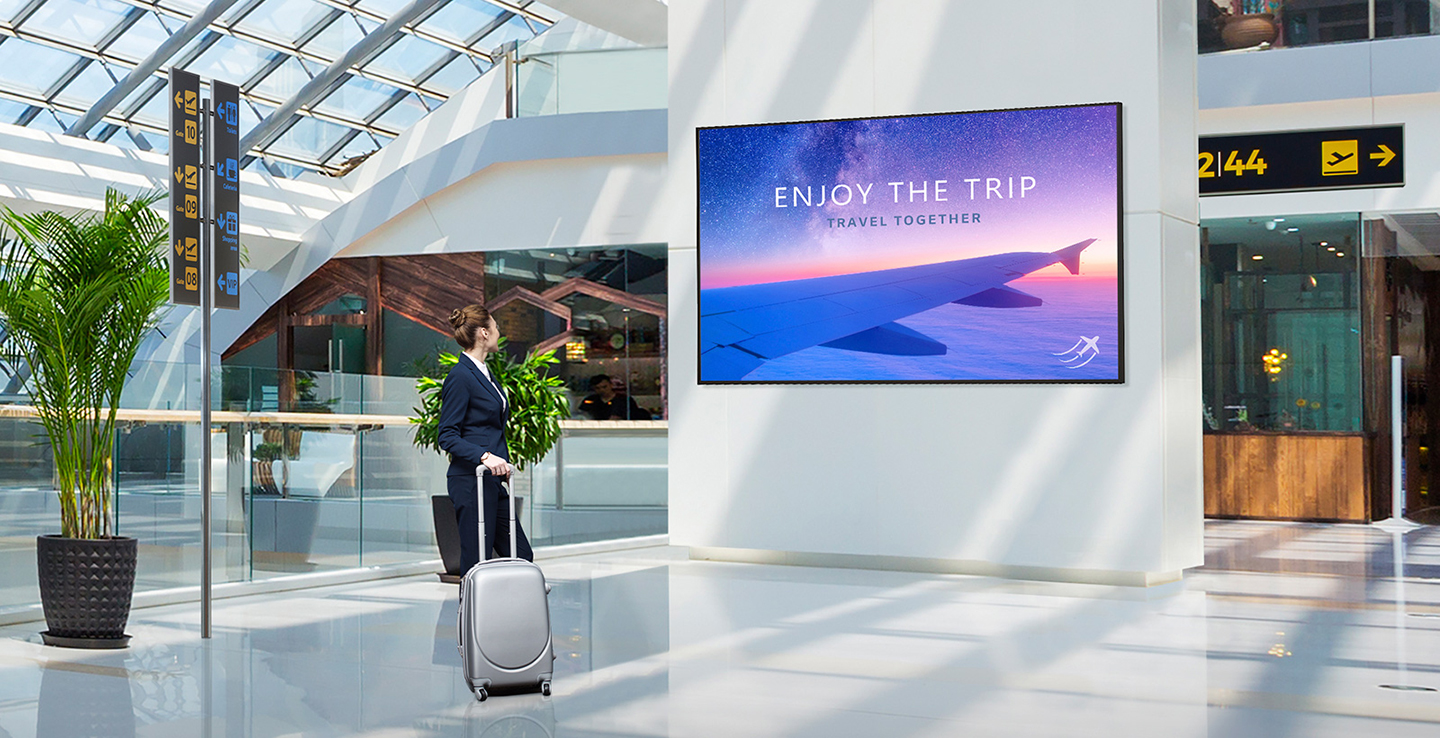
(483, 369)
(504, 400)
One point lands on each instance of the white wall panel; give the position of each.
(1082, 482)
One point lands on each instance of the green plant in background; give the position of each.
(537, 404)
(78, 295)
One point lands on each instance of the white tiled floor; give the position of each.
(1290, 630)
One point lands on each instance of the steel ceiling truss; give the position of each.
(136, 83)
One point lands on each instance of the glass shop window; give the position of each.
(602, 311)
(1280, 332)
(1224, 25)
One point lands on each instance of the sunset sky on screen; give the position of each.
(1070, 154)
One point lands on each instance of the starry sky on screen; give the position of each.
(792, 201)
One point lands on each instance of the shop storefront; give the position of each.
(1301, 315)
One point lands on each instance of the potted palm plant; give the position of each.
(537, 405)
(78, 295)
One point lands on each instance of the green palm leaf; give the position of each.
(79, 294)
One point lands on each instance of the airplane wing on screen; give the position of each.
(743, 327)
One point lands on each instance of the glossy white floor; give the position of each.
(1289, 631)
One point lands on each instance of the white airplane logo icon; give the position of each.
(1086, 348)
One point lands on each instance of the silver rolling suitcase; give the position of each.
(504, 623)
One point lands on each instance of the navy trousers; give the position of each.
(497, 520)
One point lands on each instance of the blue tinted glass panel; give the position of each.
(154, 112)
(250, 116)
(10, 111)
(357, 99)
(383, 7)
(141, 95)
(52, 122)
(139, 40)
(189, 6)
(308, 138)
(8, 8)
(158, 143)
(81, 22)
(32, 68)
(285, 20)
(403, 115)
(361, 144)
(86, 88)
(460, 20)
(408, 58)
(514, 30)
(230, 60)
(453, 77)
(284, 81)
(338, 36)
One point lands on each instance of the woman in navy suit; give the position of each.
(473, 413)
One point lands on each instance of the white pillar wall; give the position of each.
(1067, 482)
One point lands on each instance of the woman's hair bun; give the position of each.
(466, 321)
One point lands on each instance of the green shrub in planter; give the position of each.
(537, 404)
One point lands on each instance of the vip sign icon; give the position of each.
(1339, 158)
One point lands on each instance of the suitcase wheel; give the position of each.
(545, 687)
(481, 694)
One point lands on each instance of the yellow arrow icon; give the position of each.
(180, 99)
(1384, 155)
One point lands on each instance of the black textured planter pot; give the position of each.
(85, 588)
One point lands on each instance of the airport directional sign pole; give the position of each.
(207, 302)
(205, 257)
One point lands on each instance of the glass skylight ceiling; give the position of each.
(58, 58)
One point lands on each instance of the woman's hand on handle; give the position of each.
(497, 466)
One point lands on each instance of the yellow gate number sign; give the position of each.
(1339, 158)
(1291, 161)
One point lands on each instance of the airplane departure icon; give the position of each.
(1086, 348)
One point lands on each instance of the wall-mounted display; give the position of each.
(957, 247)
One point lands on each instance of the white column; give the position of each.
(1071, 482)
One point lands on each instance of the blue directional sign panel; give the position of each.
(225, 179)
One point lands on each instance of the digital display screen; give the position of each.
(956, 247)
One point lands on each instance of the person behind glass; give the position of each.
(473, 413)
(606, 404)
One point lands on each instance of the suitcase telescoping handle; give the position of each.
(480, 472)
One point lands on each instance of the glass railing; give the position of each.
(333, 482)
(1250, 24)
(554, 83)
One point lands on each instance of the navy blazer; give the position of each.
(472, 418)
